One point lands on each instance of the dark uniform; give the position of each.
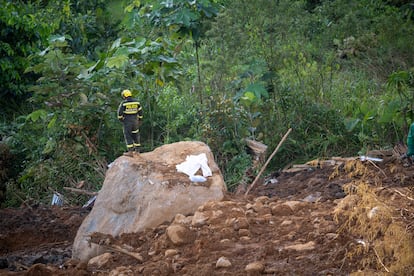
(130, 114)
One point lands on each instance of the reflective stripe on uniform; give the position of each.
(131, 107)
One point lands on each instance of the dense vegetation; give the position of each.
(339, 73)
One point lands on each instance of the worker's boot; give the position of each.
(137, 150)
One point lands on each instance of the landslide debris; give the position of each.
(324, 219)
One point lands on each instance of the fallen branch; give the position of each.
(401, 194)
(268, 160)
(123, 251)
(23, 201)
(375, 251)
(378, 168)
(80, 191)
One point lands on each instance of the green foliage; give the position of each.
(176, 116)
(236, 171)
(180, 20)
(311, 63)
(72, 121)
(184, 16)
(339, 73)
(89, 24)
(23, 31)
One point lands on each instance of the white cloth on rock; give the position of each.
(192, 164)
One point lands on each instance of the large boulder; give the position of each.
(145, 190)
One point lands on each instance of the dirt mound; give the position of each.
(37, 234)
(321, 220)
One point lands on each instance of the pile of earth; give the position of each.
(325, 218)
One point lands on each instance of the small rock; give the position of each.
(244, 232)
(331, 236)
(256, 267)
(223, 262)
(249, 206)
(240, 223)
(268, 216)
(302, 246)
(294, 205)
(181, 219)
(286, 222)
(122, 271)
(258, 206)
(250, 212)
(313, 197)
(179, 234)
(262, 199)
(199, 219)
(170, 252)
(281, 210)
(217, 214)
(229, 221)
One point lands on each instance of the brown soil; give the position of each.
(329, 220)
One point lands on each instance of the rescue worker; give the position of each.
(130, 114)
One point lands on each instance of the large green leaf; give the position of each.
(184, 16)
(167, 59)
(117, 61)
(351, 123)
(258, 89)
(36, 115)
(50, 146)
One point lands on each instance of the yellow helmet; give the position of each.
(126, 93)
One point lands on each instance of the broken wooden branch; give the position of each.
(379, 260)
(410, 198)
(268, 160)
(257, 147)
(119, 249)
(24, 202)
(377, 168)
(80, 191)
(258, 151)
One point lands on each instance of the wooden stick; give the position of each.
(123, 251)
(377, 168)
(79, 191)
(410, 198)
(23, 201)
(268, 160)
(379, 259)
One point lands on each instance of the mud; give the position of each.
(290, 223)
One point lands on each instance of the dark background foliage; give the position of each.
(339, 73)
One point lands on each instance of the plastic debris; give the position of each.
(90, 202)
(373, 212)
(315, 197)
(364, 158)
(193, 163)
(197, 178)
(359, 241)
(57, 199)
